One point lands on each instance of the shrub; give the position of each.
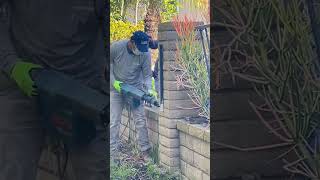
(123, 30)
(191, 62)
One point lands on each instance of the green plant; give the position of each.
(191, 63)
(272, 47)
(123, 30)
(154, 172)
(169, 10)
(155, 153)
(121, 172)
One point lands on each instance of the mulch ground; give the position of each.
(130, 156)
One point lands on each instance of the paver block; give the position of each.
(193, 173)
(170, 133)
(186, 154)
(176, 95)
(185, 104)
(170, 152)
(201, 162)
(170, 161)
(167, 122)
(196, 131)
(168, 142)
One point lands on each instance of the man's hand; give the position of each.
(153, 84)
(117, 85)
(153, 93)
(21, 74)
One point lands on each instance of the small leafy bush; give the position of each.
(122, 172)
(123, 30)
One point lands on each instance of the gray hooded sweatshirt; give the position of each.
(127, 67)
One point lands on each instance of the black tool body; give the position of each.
(69, 109)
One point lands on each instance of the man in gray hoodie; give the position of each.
(60, 35)
(129, 59)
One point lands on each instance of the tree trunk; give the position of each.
(137, 6)
(122, 9)
(151, 23)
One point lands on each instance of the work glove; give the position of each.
(117, 85)
(21, 74)
(153, 86)
(153, 93)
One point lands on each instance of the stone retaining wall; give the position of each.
(194, 151)
(152, 124)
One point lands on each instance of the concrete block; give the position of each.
(183, 167)
(205, 176)
(196, 144)
(186, 154)
(201, 162)
(171, 86)
(171, 75)
(182, 137)
(183, 126)
(170, 168)
(168, 36)
(205, 149)
(167, 122)
(183, 177)
(178, 114)
(153, 125)
(169, 56)
(167, 26)
(172, 36)
(167, 142)
(169, 133)
(170, 161)
(193, 173)
(170, 152)
(176, 95)
(179, 104)
(196, 131)
(189, 141)
(169, 45)
(206, 135)
(169, 65)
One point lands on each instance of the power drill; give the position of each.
(136, 95)
(69, 109)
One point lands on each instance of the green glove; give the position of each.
(21, 75)
(117, 85)
(153, 84)
(153, 93)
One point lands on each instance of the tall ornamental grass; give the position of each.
(191, 65)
